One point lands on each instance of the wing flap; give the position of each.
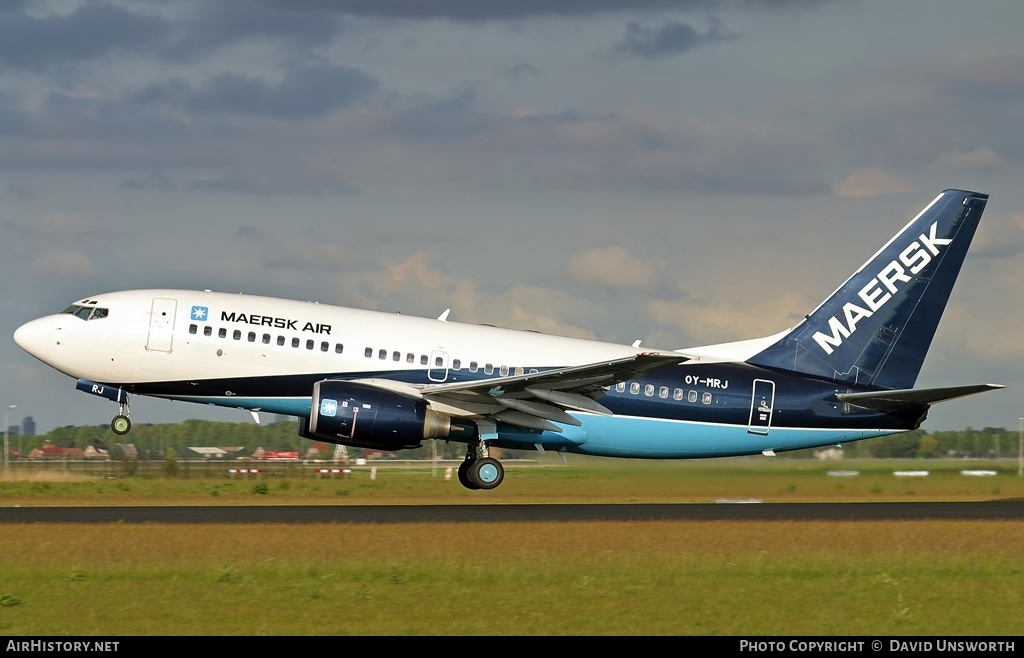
(569, 400)
(540, 410)
(537, 400)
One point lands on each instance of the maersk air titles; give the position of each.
(264, 321)
(882, 287)
(846, 372)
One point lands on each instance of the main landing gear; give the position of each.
(479, 470)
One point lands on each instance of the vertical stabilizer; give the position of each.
(877, 327)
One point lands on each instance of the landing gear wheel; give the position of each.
(464, 475)
(486, 473)
(120, 425)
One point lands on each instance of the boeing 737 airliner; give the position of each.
(361, 378)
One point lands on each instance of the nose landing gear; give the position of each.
(122, 424)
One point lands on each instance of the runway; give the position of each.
(719, 511)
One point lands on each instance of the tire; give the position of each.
(120, 425)
(486, 473)
(464, 478)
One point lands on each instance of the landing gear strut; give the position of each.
(479, 470)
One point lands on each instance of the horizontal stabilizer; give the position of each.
(912, 397)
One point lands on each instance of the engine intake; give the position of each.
(362, 415)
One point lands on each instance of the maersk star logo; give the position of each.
(200, 313)
(328, 407)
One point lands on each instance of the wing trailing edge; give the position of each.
(538, 400)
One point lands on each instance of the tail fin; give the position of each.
(877, 327)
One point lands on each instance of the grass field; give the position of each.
(583, 480)
(588, 578)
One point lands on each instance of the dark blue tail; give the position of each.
(877, 327)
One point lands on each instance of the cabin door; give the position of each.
(161, 325)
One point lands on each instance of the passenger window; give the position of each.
(396, 356)
(383, 354)
(368, 353)
(237, 335)
(266, 339)
(252, 336)
(410, 358)
(649, 390)
(634, 387)
(677, 394)
(457, 364)
(488, 368)
(222, 332)
(691, 396)
(295, 343)
(324, 346)
(309, 344)
(423, 359)
(193, 329)
(663, 392)
(504, 371)
(620, 387)
(519, 370)
(280, 341)
(207, 330)
(438, 362)
(473, 366)
(338, 348)
(706, 398)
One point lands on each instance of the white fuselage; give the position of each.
(151, 336)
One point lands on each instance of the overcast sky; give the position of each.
(678, 171)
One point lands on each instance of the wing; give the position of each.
(536, 399)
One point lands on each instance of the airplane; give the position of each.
(846, 372)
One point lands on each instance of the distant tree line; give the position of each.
(158, 441)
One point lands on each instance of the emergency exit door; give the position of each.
(761, 404)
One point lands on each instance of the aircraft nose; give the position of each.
(33, 337)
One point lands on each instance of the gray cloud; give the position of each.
(670, 38)
(305, 92)
(90, 31)
(475, 10)
(97, 30)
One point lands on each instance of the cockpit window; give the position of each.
(86, 312)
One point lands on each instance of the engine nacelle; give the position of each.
(367, 416)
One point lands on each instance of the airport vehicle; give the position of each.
(388, 381)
